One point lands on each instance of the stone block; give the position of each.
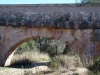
(15, 30)
(50, 32)
(46, 32)
(87, 38)
(88, 31)
(96, 35)
(65, 35)
(77, 45)
(5, 30)
(2, 61)
(35, 32)
(43, 32)
(28, 33)
(90, 48)
(57, 34)
(78, 34)
(71, 40)
(15, 39)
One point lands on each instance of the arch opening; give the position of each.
(54, 48)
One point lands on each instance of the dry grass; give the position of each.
(38, 71)
(69, 61)
(68, 65)
(40, 57)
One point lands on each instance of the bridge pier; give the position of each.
(2, 62)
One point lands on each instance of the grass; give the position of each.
(69, 61)
(27, 58)
(60, 64)
(64, 61)
(54, 64)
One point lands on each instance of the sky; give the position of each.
(37, 1)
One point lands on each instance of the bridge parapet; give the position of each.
(58, 16)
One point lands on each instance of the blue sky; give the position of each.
(36, 1)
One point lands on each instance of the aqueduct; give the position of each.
(76, 25)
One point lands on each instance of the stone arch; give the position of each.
(79, 40)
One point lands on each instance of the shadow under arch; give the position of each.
(69, 36)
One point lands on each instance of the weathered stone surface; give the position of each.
(5, 29)
(60, 16)
(58, 21)
(28, 33)
(2, 62)
(79, 35)
(50, 32)
(65, 35)
(43, 32)
(77, 46)
(35, 32)
(57, 34)
(96, 35)
(71, 40)
(87, 38)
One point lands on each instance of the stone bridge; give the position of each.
(76, 25)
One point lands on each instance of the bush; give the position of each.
(93, 73)
(75, 74)
(64, 61)
(68, 61)
(95, 68)
(48, 49)
(54, 64)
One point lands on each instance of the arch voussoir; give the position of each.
(65, 35)
(57, 34)
(46, 32)
(10, 44)
(35, 32)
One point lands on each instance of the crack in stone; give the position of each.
(61, 34)
(73, 41)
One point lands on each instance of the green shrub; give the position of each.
(75, 74)
(54, 64)
(95, 68)
(91, 73)
(68, 61)
(48, 49)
